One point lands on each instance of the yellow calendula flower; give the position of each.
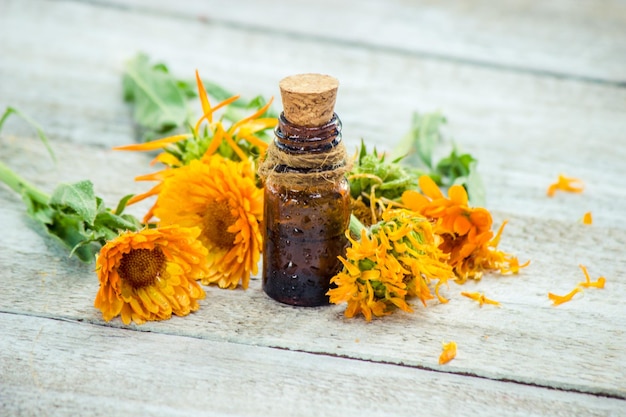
(465, 231)
(221, 198)
(150, 274)
(396, 258)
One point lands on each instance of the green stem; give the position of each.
(356, 226)
(44, 139)
(21, 186)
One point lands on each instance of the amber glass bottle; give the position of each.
(307, 198)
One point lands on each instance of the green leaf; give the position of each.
(475, 187)
(159, 66)
(219, 93)
(37, 210)
(419, 143)
(188, 88)
(114, 222)
(34, 124)
(122, 204)
(86, 251)
(256, 103)
(36, 201)
(159, 102)
(70, 230)
(239, 109)
(454, 166)
(428, 135)
(128, 89)
(78, 197)
(73, 214)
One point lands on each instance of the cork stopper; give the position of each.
(309, 99)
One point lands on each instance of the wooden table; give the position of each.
(532, 89)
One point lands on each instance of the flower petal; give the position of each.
(429, 188)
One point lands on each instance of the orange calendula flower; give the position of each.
(241, 139)
(480, 297)
(396, 258)
(560, 299)
(221, 198)
(466, 232)
(587, 219)
(599, 283)
(150, 274)
(569, 184)
(448, 353)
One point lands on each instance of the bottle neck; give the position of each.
(300, 139)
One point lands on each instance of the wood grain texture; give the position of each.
(53, 367)
(523, 129)
(580, 39)
(61, 63)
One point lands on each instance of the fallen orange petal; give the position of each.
(599, 283)
(552, 189)
(480, 297)
(448, 353)
(569, 184)
(587, 219)
(560, 299)
(514, 266)
(584, 269)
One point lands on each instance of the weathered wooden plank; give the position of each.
(523, 129)
(52, 367)
(563, 38)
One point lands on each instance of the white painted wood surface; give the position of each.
(563, 38)
(105, 371)
(61, 63)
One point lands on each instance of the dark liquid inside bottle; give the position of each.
(304, 225)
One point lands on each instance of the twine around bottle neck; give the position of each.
(303, 156)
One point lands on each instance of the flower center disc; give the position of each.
(141, 267)
(217, 219)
